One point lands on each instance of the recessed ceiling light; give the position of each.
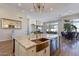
(51, 9)
(19, 4)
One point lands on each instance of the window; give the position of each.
(76, 23)
(52, 27)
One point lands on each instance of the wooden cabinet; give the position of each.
(16, 48)
(44, 52)
(31, 51)
(22, 51)
(47, 51)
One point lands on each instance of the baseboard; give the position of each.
(4, 40)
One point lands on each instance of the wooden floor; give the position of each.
(68, 48)
(6, 48)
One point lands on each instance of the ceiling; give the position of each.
(58, 10)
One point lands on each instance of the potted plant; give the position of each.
(69, 27)
(68, 31)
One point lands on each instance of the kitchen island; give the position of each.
(37, 46)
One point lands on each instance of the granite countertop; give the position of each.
(25, 42)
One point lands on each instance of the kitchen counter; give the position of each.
(25, 42)
(25, 46)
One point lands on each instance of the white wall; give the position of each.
(60, 26)
(5, 34)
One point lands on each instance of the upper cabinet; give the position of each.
(10, 24)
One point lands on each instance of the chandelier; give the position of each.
(39, 7)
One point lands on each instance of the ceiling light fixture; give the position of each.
(38, 7)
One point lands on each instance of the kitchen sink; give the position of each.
(43, 39)
(41, 43)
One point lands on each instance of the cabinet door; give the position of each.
(44, 52)
(31, 51)
(16, 49)
(47, 51)
(27, 52)
(22, 51)
(40, 53)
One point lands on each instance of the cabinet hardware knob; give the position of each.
(32, 50)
